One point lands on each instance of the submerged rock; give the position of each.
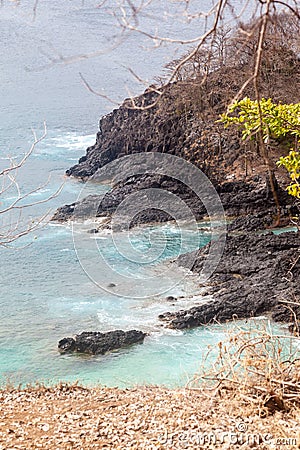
(170, 298)
(96, 343)
(93, 231)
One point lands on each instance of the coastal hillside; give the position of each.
(182, 118)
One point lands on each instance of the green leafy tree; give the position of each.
(292, 164)
(272, 121)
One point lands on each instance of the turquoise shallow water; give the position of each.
(44, 292)
(46, 295)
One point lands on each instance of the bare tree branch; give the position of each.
(13, 225)
(100, 94)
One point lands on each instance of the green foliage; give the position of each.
(292, 165)
(274, 121)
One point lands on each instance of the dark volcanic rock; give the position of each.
(93, 231)
(96, 343)
(83, 209)
(170, 298)
(250, 223)
(250, 202)
(121, 132)
(256, 274)
(184, 121)
(67, 345)
(135, 214)
(164, 128)
(253, 204)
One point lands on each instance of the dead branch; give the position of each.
(13, 225)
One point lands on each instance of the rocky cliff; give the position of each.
(188, 129)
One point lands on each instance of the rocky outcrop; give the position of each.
(253, 276)
(182, 122)
(96, 343)
(83, 209)
(98, 206)
(257, 274)
(168, 127)
(251, 200)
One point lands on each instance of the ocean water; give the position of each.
(45, 294)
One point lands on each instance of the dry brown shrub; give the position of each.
(255, 368)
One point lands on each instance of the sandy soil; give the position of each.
(74, 417)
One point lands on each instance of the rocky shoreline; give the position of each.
(257, 272)
(250, 202)
(234, 168)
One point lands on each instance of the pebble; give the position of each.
(72, 417)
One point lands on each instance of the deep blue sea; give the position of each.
(45, 294)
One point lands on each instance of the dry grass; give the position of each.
(258, 365)
(249, 398)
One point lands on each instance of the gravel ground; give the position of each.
(74, 417)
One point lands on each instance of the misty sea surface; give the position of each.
(45, 294)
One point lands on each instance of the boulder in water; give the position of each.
(96, 343)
